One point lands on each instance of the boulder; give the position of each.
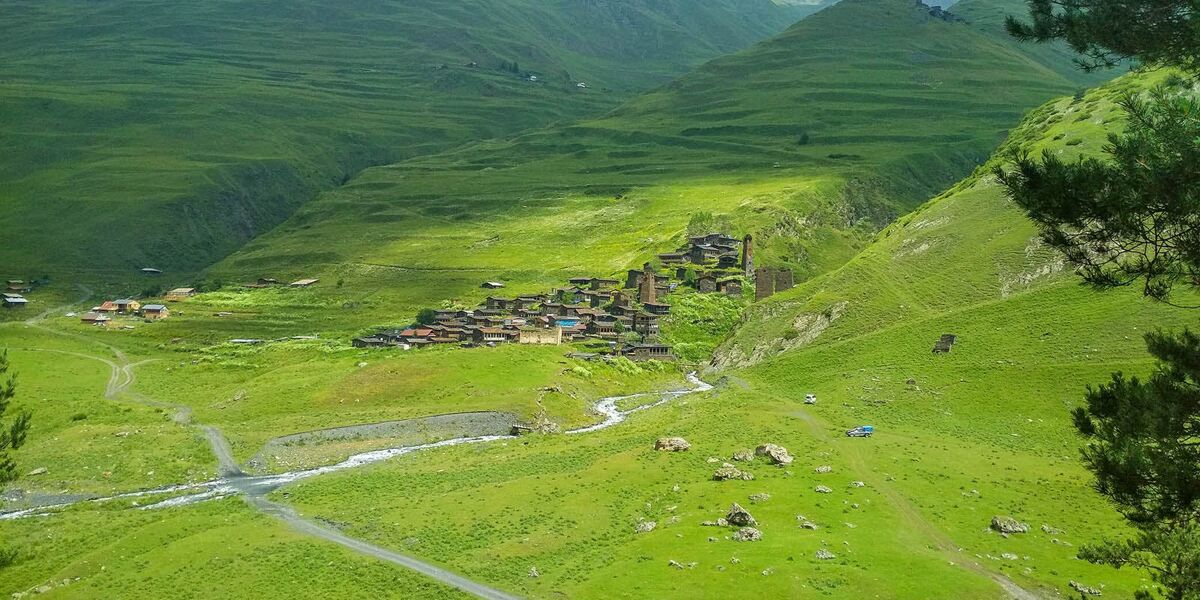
(776, 454)
(820, 489)
(533, 572)
(857, 484)
(645, 526)
(37, 471)
(1084, 589)
(718, 523)
(729, 472)
(1008, 525)
(739, 516)
(824, 554)
(823, 469)
(747, 534)
(746, 455)
(760, 497)
(671, 444)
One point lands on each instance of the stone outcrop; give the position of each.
(747, 534)
(739, 516)
(1008, 525)
(821, 489)
(824, 554)
(746, 455)
(776, 454)
(672, 444)
(645, 526)
(729, 472)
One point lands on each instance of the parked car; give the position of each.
(810, 399)
(861, 431)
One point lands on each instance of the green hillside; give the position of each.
(988, 16)
(812, 140)
(984, 430)
(166, 134)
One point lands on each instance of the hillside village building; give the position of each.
(597, 308)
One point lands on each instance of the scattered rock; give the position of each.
(760, 497)
(676, 564)
(712, 539)
(533, 572)
(1083, 589)
(778, 455)
(728, 472)
(805, 523)
(910, 381)
(767, 571)
(747, 534)
(1050, 530)
(821, 489)
(37, 471)
(645, 527)
(1009, 556)
(672, 444)
(857, 484)
(718, 523)
(362, 364)
(734, 560)
(746, 455)
(739, 516)
(823, 469)
(824, 554)
(1008, 525)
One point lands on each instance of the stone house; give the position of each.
(540, 335)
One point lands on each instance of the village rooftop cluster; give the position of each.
(593, 308)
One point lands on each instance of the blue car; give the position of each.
(861, 431)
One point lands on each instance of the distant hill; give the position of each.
(989, 15)
(812, 140)
(155, 133)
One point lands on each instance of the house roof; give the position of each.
(154, 307)
(17, 300)
(182, 291)
(93, 316)
(308, 281)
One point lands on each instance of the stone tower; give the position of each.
(748, 256)
(646, 291)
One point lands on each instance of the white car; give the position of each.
(810, 399)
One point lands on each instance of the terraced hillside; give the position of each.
(166, 134)
(811, 140)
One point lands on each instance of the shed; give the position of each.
(155, 312)
(178, 294)
(302, 283)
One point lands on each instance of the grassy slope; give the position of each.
(222, 549)
(894, 105)
(988, 16)
(984, 430)
(155, 133)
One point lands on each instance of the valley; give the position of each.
(450, 402)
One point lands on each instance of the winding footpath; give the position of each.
(232, 480)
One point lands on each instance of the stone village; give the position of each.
(599, 309)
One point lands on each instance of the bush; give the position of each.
(79, 417)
